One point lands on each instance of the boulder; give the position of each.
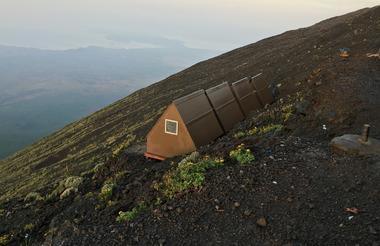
(352, 144)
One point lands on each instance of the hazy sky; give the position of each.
(211, 24)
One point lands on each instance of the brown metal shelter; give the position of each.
(202, 116)
(189, 122)
(226, 107)
(246, 96)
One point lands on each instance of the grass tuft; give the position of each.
(187, 175)
(242, 155)
(131, 214)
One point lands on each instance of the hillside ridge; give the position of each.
(82, 144)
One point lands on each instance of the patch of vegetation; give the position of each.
(265, 129)
(98, 168)
(107, 190)
(187, 175)
(131, 214)
(29, 227)
(33, 196)
(259, 130)
(69, 185)
(2, 212)
(125, 144)
(242, 155)
(120, 175)
(4, 239)
(287, 112)
(240, 134)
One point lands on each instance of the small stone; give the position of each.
(262, 222)
(372, 230)
(318, 83)
(228, 177)
(170, 208)
(161, 242)
(247, 212)
(236, 204)
(179, 210)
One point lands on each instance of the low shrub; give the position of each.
(242, 155)
(187, 175)
(33, 196)
(287, 112)
(240, 134)
(4, 239)
(107, 190)
(265, 129)
(29, 227)
(131, 214)
(125, 144)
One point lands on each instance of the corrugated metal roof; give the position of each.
(225, 105)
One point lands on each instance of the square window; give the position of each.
(171, 127)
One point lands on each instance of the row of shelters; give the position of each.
(204, 115)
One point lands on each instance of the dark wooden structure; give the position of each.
(188, 123)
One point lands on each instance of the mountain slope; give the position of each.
(272, 180)
(44, 90)
(287, 59)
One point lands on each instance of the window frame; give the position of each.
(172, 121)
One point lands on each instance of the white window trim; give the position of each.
(176, 130)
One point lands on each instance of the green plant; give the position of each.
(125, 144)
(71, 184)
(287, 112)
(187, 175)
(240, 134)
(107, 190)
(4, 239)
(33, 196)
(242, 155)
(131, 214)
(120, 175)
(265, 129)
(29, 227)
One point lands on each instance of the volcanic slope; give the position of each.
(346, 98)
(291, 190)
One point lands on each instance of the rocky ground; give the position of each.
(296, 191)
